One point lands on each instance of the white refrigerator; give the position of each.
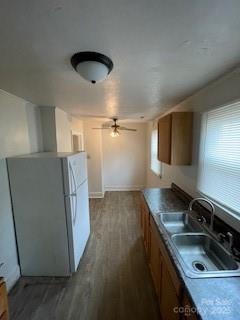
(51, 211)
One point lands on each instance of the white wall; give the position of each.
(77, 129)
(63, 131)
(48, 123)
(93, 147)
(57, 129)
(77, 125)
(124, 159)
(20, 133)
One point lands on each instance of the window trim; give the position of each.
(158, 174)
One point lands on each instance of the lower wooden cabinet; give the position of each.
(188, 312)
(155, 258)
(169, 289)
(4, 316)
(3, 301)
(144, 222)
(168, 301)
(166, 285)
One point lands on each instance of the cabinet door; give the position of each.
(141, 216)
(155, 258)
(181, 152)
(3, 301)
(189, 312)
(169, 302)
(144, 222)
(146, 230)
(164, 139)
(4, 316)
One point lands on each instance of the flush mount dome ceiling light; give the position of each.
(92, 66)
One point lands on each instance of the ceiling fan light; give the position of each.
(114, 134)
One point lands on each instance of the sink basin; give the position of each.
(202, 256)
(179, 223)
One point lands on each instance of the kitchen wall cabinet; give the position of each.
(175, 138)
(3, 301)
(169, 289)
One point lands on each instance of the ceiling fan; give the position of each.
(115, 128)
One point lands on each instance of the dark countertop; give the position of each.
(214, 298)
(163, 200)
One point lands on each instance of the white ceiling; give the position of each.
(163, 51)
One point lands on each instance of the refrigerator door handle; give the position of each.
(70, 195)
(74, 193)
(75, 215)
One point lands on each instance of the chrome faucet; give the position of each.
(211, 206)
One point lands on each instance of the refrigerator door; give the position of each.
(81, 225)
(78, 167)
(77, 206)
(40, 215)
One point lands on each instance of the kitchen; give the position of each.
(161, 129)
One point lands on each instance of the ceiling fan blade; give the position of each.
(102, 128)
(127, 129)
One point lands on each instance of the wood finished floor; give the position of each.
(113, 280)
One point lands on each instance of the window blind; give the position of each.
(219, 174)
(155, 163)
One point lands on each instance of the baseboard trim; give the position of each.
(123, 188)
(12, 277)
(93, 195)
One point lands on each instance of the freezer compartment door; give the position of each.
(78, 224)
(77, 166)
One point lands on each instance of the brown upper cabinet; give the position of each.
(175, 138)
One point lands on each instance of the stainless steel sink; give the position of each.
(179, 222)
(202, 256)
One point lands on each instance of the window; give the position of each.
(155, 164)
(219, 173)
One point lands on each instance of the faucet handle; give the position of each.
(221, 237)
(230, 239)
(202, 219)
